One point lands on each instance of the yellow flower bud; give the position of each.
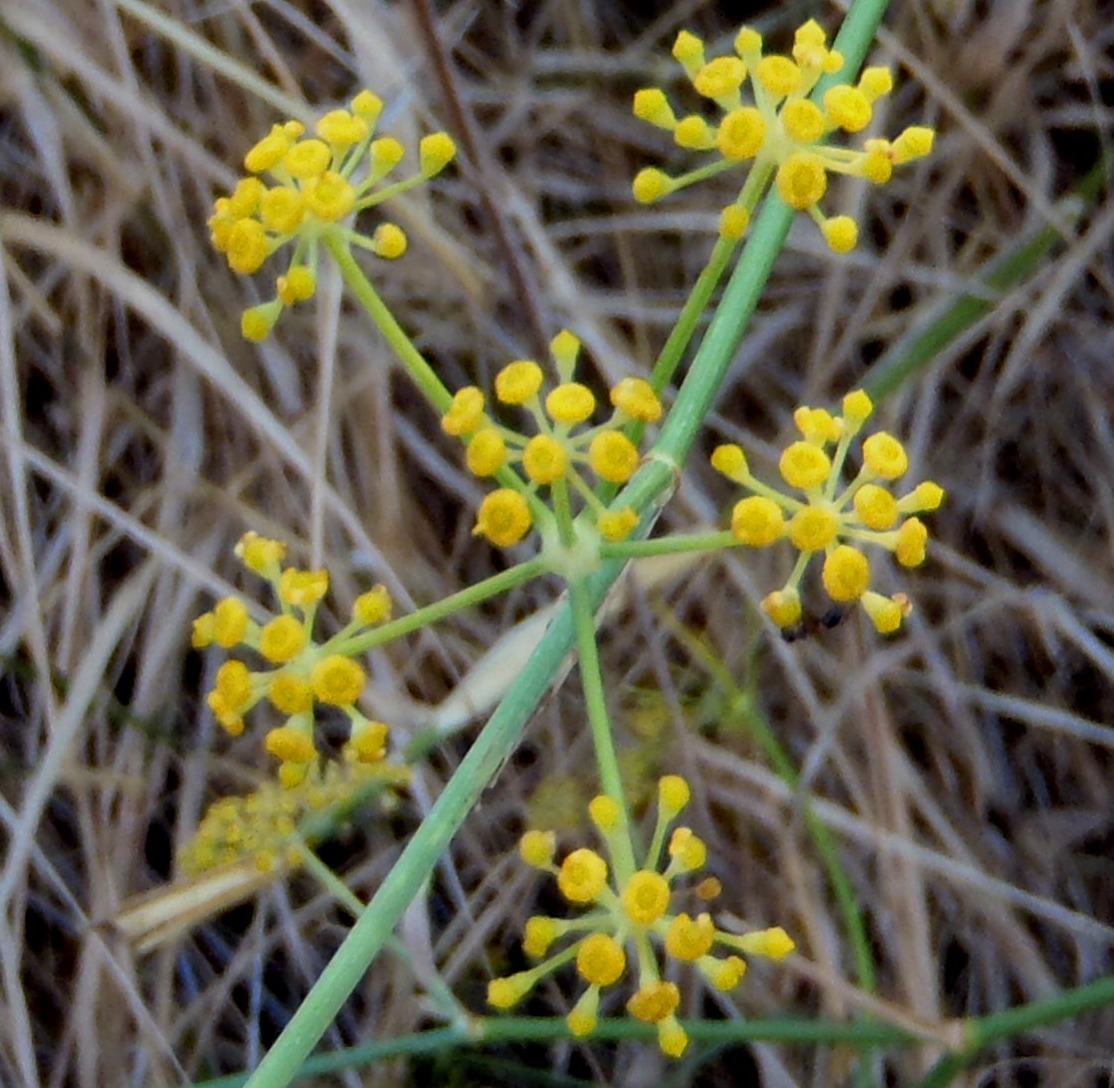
(337, 680)
(912, 542)
(783, 606)
(388, 241)
(847, 107)
(876, 507)
(230, 622)
(330, 197)
(282, 639)
(635, 398)
(518, 382)
(741, 134)
(582, 876)
(435, 152)
(544, 460)
(617, 525)
(373, 607)
(733, 222)
(600, 960)
(646, 897)
(778, 75)
(613, 457)
(812, 529)
(290, 745)
(801, 180)
(503, 518)
(846, 574)
(307, 159)
(757, 521)
(465, 413)
(688, 939)
(720, 78)
(673, 795)
(487, 452)
(651, 184)
(651, 105)
(885, 456)
(654, 1002)
(804, 465)
(570, 403)
(536, 848)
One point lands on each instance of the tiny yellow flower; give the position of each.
(570, 403)
(604, 813)
(337, 681)
(290, 694)
(282, 639)
(230, 622)
(486, 452)
(465, 413)
(503, 518)
(673, 794)
(518, 382)
(600, 960)
(804, 465)
(757, 521)
(912, 540)
(688, 939)
(544, 460)
(303, 588)
(885, 456)
(646, 897)
(783, 606)
(582, 876)
(613, 457)
(635, 398)
(290, 745)
(654, 1002)
(373, 607)
(388, 241)
(617, 524)
(687, 850)
(537, 848)
(538, 936)
(846, 574)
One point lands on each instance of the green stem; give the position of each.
(599, 721)
(497, 739)
(432, 613)
(419, 370)
(496, 1031)
(669, 545)
(986, 1030)
(438, 992)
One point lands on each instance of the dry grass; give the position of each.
(965, 767)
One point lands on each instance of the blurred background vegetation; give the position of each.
(964, 767)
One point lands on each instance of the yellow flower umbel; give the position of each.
(303, 673)
(782, 134)
(300, 188)
(271, 826)
(564, 442)
(627, 915)
(832, 518)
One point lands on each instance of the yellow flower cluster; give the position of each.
(832, 518)
(552, 456)
(303, 673)
(317, 185)
(630, 908)
(270, 826)
(782, 134)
